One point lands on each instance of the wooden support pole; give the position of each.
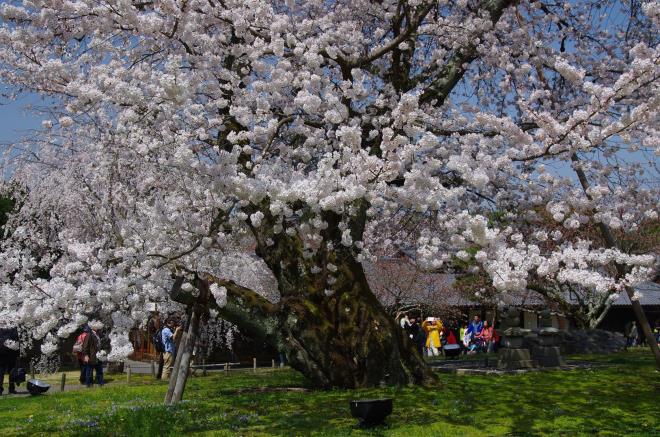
(63, 382)
(175, 370)
(273, 362)
(153, 369)
(203, 366)
(128, 375)
(227, 368)
(32, 370)
(254, 364)
(186, 354)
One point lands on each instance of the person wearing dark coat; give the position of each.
(91, 346)
(417, 335)
(8, 356)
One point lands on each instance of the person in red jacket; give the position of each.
(451, 338)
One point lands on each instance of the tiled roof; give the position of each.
(650, 295)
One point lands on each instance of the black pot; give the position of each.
(452, 350)
(371, 411)
(37, 387)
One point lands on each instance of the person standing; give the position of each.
(91, 347)
(9, 351)
(634, 335)
(432, 327)
(78, 351)
(461, 331)
(170, 348)
(153, 328)
(417, 336)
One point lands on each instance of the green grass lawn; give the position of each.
(622, 398)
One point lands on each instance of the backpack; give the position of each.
(78, 345)
(157, 340)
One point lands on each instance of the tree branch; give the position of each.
(452, 72)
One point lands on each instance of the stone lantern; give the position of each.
(513, 355)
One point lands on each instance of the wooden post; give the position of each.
(175, 370)
(254, 364)
(153, 369)
(186, 354)
(203, 366)
(273, 362)
(63, 382)
(128, 375)
(227, 368)
(32, 370)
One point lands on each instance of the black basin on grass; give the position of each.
(371, 411)
(37, 387)
(452, 350)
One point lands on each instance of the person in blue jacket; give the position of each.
(475, 327)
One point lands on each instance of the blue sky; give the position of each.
(15, 119)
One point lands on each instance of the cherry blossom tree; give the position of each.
(179, 132)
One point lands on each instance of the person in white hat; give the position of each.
(433, 328)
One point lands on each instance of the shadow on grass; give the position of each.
(620, 399)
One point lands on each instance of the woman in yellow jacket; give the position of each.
(433, 328)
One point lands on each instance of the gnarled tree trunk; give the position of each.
(328, 322)
(346, 339)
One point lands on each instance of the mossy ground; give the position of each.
(622, 398)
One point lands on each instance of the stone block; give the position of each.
(511, 354)
(517, 364)
(547, 356)
(541, 351)
(510, 332)
(550, 361)
(549, 340)
(531, 340)
(514, 342)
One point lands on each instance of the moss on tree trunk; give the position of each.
(347, 339)
(328, 322)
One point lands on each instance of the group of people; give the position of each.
(88, 346)
(432, 336)
(635, 338)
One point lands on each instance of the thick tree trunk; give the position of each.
(328, 322)
(331, 326)
(343, 340)
(347, 339)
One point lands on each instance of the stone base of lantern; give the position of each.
(547, 352)
(513, 355)
(511, 359)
